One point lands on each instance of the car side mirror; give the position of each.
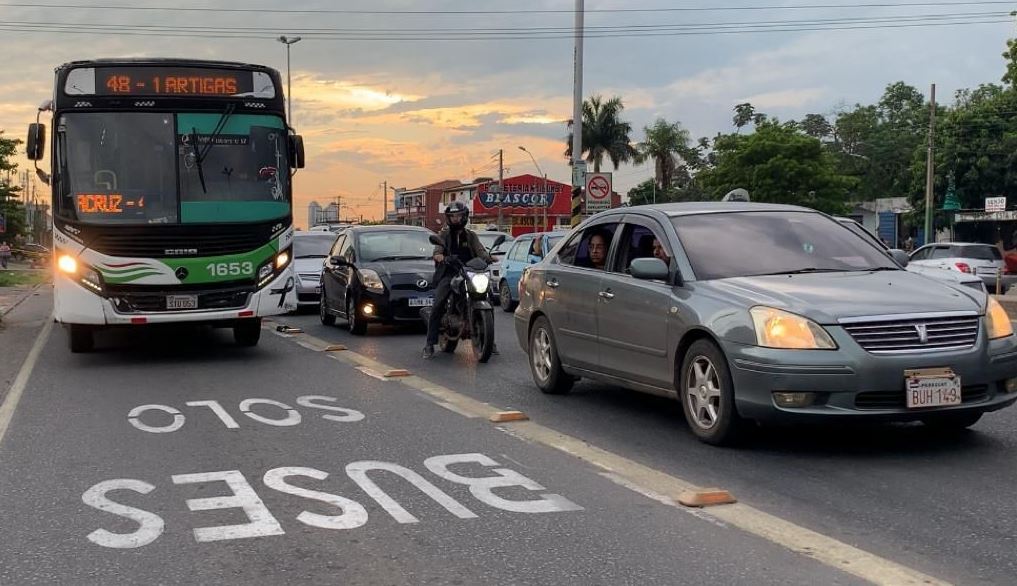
(649, 269)
(900, 257)
(498, 241)
(36, 143)
(296, 151)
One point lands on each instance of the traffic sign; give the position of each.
(995, 204)
(578, 173)
(598, 192)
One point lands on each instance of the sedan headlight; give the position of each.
(780, 329)
(371, 280)
(997, 321)
(480, 282)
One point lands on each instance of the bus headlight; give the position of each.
(90, 278)
(282, 259)
(67, 264)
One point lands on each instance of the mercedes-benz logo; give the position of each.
(422, 284)
(182, 273)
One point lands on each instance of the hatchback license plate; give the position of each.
(181, 302)
(936, 387)
(421, 301)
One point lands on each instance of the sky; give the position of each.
(431, 89)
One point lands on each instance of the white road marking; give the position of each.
(357, 471)
(645, 480)
(262, 523)
(150, 525)
(216, 408)
(354, 514)
(21, 381)
(348, 415)
(134, 417)
(292, 416)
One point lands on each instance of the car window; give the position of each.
(639, 242)
(978, 252)
(395, 245)
(337, 246)
(741, 244)
(346, 250)
(590, 247)
(519, 248)
(313, 245)
(921, 254)
(941, 252)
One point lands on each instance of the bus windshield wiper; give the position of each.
(197, 158)
(217, 131)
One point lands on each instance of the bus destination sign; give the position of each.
(172, 81)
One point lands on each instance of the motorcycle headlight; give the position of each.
(371, 280)
(997, 321)
(480, 282)
(780, 329)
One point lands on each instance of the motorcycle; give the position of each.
(469, 314)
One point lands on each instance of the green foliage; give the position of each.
(604, 133)
(777, 164)
(667, 145)
(10, 207)
(647, 192)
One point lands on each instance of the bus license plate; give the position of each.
(932, 388)
(421, 301)
(181, 302)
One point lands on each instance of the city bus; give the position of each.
(172, 197)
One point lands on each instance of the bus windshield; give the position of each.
(122, 168)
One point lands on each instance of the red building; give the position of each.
(420, 206)
(527, 203)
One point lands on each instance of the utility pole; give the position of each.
(501, 184)
(384, 203)
(930, 168)
(577, 118)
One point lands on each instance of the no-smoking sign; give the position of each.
(598, 192)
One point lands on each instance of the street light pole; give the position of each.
(289, 78)
(544, 175)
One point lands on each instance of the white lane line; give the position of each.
(665, 488)
(21, 381)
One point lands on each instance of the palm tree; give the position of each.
(667, 144)
(604, 133)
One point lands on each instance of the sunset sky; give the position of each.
(426, 107)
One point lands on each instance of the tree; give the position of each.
(816, 126)
(780, 165)
(604, 133)
(1010, 77)
(10, 207)
(667, 145)
(743, 115)
(648, 193)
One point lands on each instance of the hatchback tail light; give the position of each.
(965, 268)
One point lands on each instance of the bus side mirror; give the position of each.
(296, 151)
(36, 144)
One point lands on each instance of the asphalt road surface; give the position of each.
(172, 456)
(942, 505)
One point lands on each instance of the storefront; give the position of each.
(525, 203)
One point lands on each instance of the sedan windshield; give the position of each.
(743, 244)
(313, 245)
(394, 245)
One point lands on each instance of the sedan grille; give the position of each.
(916, 335)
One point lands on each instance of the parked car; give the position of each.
(981, 260)
(965, 279)
(522, 254)
(761, 313)
(310, 249)
(377, 274)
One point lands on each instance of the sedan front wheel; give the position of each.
(707, 394)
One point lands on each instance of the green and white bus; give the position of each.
(172, 199)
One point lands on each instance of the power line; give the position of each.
(508, 11)
(231, 34)
(473, 31)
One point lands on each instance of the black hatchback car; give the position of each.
(378, 274)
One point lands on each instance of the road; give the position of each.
(172, 456)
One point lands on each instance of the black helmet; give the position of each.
(457, 208)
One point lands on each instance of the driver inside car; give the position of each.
(457, 241)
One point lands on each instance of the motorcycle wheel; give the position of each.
(482, 335)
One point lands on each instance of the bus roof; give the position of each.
(107, 61)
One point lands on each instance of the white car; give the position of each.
(980, 260)
(939, 273)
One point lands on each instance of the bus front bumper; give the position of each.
(75, 304)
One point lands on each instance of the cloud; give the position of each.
(783, 99)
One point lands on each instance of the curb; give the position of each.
(28, 293)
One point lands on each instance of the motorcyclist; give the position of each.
(461, 242)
